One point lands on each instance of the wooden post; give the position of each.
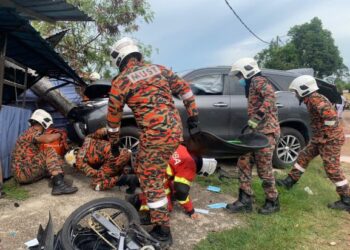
(3, 40)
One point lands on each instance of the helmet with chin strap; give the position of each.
(123, 48)
(248, 67)
(304, 85)
(42, 117)
(205, 166)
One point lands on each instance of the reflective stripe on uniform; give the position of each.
(341, 183)
(159, 203)
(169, 171)
(144, 208)
(185, 201)
(329, 123)
(112, 130)
(189, 94)
(167, 191)
(182, 180)
(297, 166)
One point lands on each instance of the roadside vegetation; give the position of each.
(304, 221)
(14, 191)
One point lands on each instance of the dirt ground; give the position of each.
(19, 224)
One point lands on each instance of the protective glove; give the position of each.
(252, 123)
(115, 149)
(192, 122)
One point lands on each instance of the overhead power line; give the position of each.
(238, 17)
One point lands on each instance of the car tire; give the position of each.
(288, 147)
(129, 137)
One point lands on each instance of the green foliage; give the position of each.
(310, 46)
(342, 85)
(304, 221)
(86, 46)
(14, 191)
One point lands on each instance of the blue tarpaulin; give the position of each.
(13, 121)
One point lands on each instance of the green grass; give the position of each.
(14, 190)
(304, 221)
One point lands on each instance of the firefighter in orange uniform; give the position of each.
(94, 159)
(147, 89)
(30, 163)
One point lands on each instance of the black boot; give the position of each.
(244, 204)
(163, 235)
(60, 187)
(287, 183)
(270, 206)
(342, 204)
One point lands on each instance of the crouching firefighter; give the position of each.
(262, 115)
(327, 140)
(147, 89)
(30, 164)
(181, 172)
(94, 158)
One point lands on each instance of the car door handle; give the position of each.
(220, 104)
(279, 105)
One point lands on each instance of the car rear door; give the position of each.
(238, 110)
(213, 103)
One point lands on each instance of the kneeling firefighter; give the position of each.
(262, 115)
(30, 163)
(94, 158)
(327, 140)
(182, 169)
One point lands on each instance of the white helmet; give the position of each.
(208, 166)
(122, 48)
(247, 66)
(304, 85)
(94, 76)
(70, 157)
(42, 117)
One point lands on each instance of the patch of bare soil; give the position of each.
(20, 224)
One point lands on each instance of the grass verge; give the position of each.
(14, 191)
(304, 221)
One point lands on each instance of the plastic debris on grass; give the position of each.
(214, 189)
(217, 205)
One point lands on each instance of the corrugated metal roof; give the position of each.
(26, 46)
(47, 10)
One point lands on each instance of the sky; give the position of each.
(189, 34)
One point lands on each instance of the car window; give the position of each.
(237, 89)
(207, 85)
(282, 81)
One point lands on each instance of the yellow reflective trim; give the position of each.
(144, 208)
(169, 171)
(167, 191)
(182, 180)
(185, 201)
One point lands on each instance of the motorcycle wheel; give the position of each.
(76, 232)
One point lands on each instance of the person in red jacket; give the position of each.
(181, 172)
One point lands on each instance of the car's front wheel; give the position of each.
(288, 147)
(129, 138)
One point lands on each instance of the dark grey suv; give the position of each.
(222, 110)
